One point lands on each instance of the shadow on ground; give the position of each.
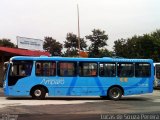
(130, 98)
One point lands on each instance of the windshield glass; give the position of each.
(21, 68)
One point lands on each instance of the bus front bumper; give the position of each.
(11, 91)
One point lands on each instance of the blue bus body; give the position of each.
(156, 75)
(78, 85)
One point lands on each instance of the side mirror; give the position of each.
(5, 66)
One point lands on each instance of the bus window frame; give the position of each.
(12, 79)
(18, 62)
(150, 72)
(133, 69)
(75, 68)
(115, 69)
(45, 61)
(79, 69)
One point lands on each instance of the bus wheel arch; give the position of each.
(39, 92)
(115, 92)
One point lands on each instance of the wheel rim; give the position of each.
(37, 93)
(115, 93)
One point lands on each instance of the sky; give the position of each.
(55, 18)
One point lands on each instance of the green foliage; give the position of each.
(145, 46)
(98, 40)
(71, 44)
(6, 43)
(119, 47)
(52, 46)
(105, 53)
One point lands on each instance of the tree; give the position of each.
(6, 43)
(71, 44)
(128, 48)
(119, 46)
(98, 40)
(105, 52)
(52, 46)
(145, 46)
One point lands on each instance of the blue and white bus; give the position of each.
(65, 76)
(156, 75)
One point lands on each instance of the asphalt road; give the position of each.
(71, 108)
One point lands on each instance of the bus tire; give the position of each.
(38, 93)
(115, 93)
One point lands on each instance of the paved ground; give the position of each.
(78, 107)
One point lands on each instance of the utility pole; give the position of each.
(78, 31)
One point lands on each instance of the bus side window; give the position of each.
(93, 72)
(87, 69)
(23, 70)
(28, 69)
(107, 69)
(38, 69)
(44, 68)
(67, 68)
(53, 69)
(125, 69)
(142, 70)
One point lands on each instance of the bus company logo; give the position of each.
(59, 81)
(143, 85)
(123, 79)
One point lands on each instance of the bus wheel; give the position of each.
(38, 93)
(115, 93)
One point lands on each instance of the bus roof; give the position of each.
(156, 64)
(104, 59)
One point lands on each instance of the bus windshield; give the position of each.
(21, 68)
(157, 71)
